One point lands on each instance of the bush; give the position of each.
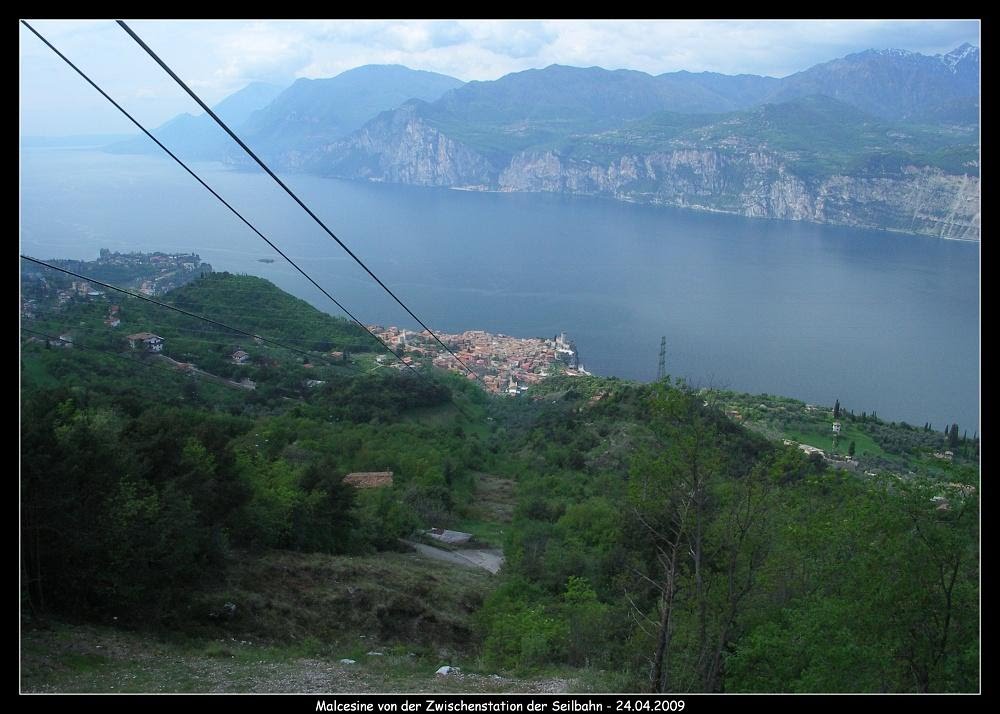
(587, 624)
(524, 638)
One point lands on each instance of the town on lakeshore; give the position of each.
(504, 364)
(146, 273)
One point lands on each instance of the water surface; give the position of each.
(880, 321)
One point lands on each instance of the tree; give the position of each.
(665, 491)
(700, 507)
(836, 410)
(850, 448)
(871, 586)
(953, 436)
(98, 536)
(936, 608)
(587, 622)
(324, 519)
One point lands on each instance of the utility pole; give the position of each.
(661, 370)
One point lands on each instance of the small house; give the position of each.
(147, 341)
(240, 357)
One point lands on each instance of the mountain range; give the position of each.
(883, 138)
(199, 137)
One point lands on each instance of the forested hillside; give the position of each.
(652, 542)
(659, 539)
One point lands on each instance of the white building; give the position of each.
(147, 340)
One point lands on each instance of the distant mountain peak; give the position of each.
(950, 60)
(893, 52)
(963, 50)
(959, 54)
(394, 67)
(376, 71)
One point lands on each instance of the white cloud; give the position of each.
(259, 52)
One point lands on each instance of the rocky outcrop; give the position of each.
(922, 200)
(401, 147)
(758, 184)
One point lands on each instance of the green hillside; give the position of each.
(259, 307)
(655, 537)
(818, 137)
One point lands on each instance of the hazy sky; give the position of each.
(219, 57)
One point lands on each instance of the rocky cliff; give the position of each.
(760, 185)
(399, 147)
(402, 147)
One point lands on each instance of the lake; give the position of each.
(880, 321)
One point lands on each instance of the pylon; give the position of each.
(661, 370)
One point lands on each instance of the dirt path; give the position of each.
(494, 503)
(490, 560)
(190, 368)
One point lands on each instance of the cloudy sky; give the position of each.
(219, 57)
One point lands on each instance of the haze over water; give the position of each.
(880, 321)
